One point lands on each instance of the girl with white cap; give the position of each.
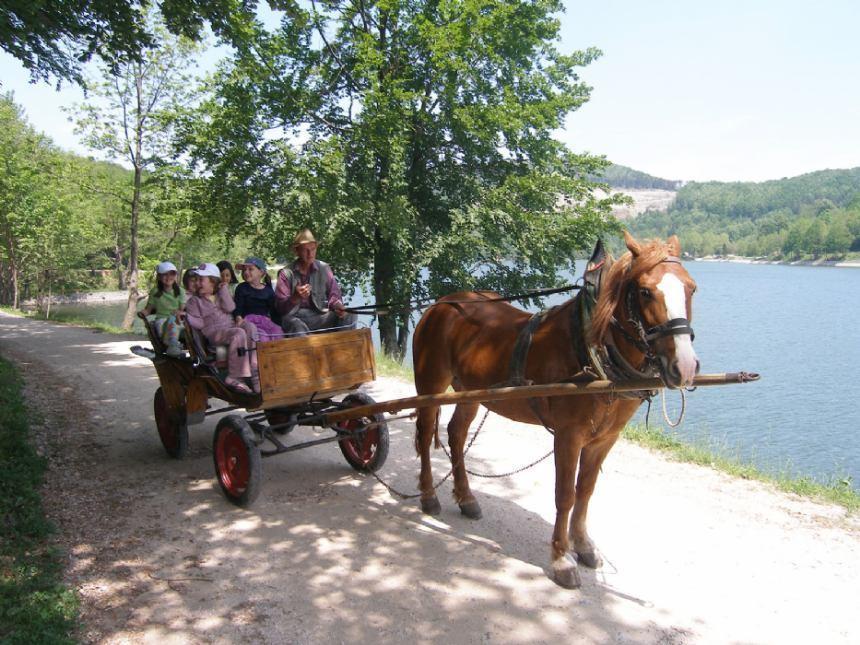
(166, 302)
(211, 311)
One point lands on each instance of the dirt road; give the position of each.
(327, 556)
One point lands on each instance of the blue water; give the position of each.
(798, 328)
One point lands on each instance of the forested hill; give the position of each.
(817, 214)
(624, 177)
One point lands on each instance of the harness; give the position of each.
(603, 361)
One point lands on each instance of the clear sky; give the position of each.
(691, 90)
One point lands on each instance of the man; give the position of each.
(307, 294)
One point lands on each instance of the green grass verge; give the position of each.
(387, 366)
(34, 606)
(838, 490)
(71, 319)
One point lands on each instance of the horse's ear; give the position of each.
(674, 246)
(632, 245)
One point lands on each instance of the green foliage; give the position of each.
(134, 120)
(624, 177)
(34, 606)
(413, 137)
(40, 231)
(817, 215)
(53, 38)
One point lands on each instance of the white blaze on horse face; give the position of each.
(676, 307)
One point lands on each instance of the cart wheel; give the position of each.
(237, 458)
(368, 451)
(171, 425)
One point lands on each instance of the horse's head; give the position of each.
(647, 307)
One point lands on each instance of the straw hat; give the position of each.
(303, 237)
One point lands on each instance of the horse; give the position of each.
(635, 323)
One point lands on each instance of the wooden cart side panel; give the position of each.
(196, 401)
(172, 382)
(295, 368)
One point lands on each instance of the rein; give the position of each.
(417, 305)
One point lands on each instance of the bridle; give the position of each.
(645, 337)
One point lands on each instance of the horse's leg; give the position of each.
(425, 432)
(590, 460)
(567, 449)
(458, 428)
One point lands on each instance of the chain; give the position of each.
(499, 475)
(403, 495)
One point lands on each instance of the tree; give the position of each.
(414, 137)
(54, 38)
(43, 234)
(133, 123)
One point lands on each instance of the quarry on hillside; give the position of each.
(644, 199)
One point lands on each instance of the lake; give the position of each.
(798, 328)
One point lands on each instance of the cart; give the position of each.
(302, 379)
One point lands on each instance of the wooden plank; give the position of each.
(527, 392)
(292, 369)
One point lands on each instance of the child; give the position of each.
(189, 282)
(166, 301)
(228, 276)
(211, 313)
(255, 299)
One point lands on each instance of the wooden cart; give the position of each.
(300, 379)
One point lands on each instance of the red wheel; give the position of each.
(172, 429)
(237, 459)
(369, 450)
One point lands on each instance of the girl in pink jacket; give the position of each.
(211, 311)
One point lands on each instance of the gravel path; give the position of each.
(326, 556)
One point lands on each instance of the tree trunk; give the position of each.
(120, 273)
(131, 309)
(393, 326)
(13, 266)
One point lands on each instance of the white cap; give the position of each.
(165, 267)
(207, 269)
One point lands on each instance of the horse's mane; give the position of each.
(621, 273)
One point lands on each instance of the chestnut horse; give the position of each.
(638, 326)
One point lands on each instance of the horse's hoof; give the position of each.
(567, 578)
(472, 510)
(589, 559)
(431, 506)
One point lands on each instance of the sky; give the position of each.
(727, 91)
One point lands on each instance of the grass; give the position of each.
(34, 605)
(836, 491)
(387, 366)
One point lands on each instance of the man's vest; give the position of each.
(318, 278)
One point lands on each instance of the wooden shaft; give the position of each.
(526, 392)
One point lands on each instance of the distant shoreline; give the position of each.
(854, 264)
(99, 297)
